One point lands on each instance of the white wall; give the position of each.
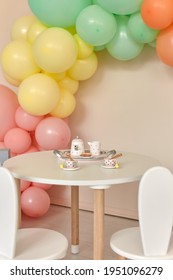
(127, 105)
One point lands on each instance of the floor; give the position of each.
(58, 218)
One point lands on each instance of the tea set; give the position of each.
(77, 152)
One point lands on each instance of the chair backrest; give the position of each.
(8, 213)
(155, 208)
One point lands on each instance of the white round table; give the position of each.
(43, 167)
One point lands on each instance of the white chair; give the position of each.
(153, 239)
(26, 243)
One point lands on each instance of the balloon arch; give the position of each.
(53, 50)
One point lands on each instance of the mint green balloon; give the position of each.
(139, 30)
(123, 46)
(95, 25)
(120, 7)
(58, 13)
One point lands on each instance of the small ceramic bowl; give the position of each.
(109, 162)
(70, 163)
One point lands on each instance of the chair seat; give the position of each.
(39, 244)
(127, 243)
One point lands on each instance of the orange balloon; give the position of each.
(164, 45)
(157, 14)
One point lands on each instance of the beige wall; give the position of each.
(127, 105)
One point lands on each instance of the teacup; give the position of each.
(70, 163)
(109, 162)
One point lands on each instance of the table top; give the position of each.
(43, 167)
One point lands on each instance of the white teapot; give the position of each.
(77, 147)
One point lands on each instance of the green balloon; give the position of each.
(123, 46)
(58, 13)
(120, 7)
(95, 25)
(140, 31)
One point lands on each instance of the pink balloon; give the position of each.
(3, 146)
(8, 106)
(25, 120)
(42, 186)
(35, 202)
(52, 133)
(17, 140)
(24, 185)
(32, 149)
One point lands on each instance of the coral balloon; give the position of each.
(84, 69)
(164, 45)
(120, 7)
(55, 50)
(9, 104)
(38, 94)
(42, 186)
(24, 185)
(52, 133)
(65, 105)
(17, 140)
(95, 25)
(17, 60)
(35, 202)
(157, 14)
(58, 12)
(25, 120)
(21, 26)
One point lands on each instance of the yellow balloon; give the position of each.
(17, 60)
(38, 94)
(35, 29)
(56, 76)
(84, 49)
(65, 105)
(84, 69)
(11, 80)
(20, 27)
(69, 84)
(71, 29)
(55, 50)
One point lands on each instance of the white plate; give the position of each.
(70, 168)
(108, 166)
(99, 157)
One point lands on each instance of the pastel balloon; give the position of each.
(60, 13)
(164, 45)
(65, 106)
(25, 120)
(17, 60)
(56, 76)
(8, 105)
(42, 186)
(38, 94)
(123, 46)
(139, 30)
(84, 69)
(95, 25)
(11, 80)
(84, 49)
(120, 7)
(32, 149)
(55, 50)
(21, 26)
(157, 14)
(69, 84)
(24, 185)
(17, 140)
(35, 29)
(52, 133)
(35, 202)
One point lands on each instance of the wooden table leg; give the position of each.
(75, 219)
(98, 224)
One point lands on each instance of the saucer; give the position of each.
(108, 166)
(70, 168)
